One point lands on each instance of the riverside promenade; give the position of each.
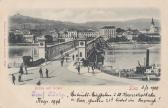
(68, 75)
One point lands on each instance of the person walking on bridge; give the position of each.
(13, 79)
(26, 69)
(47, 73)
(41, 73)
(78, 68)
(62, 61)
(21, 69)
(88, 68)
(73, 57)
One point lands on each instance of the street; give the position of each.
(68, 75)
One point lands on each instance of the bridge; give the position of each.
(91, 51)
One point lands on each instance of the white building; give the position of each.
(72, 34)
(87, 34)
(108, 32)
(130, 34)
(28, 38)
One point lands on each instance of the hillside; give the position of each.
(140, 24)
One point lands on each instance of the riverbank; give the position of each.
(127, 46)
(23, 44)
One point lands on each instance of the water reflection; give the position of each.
(126, 59)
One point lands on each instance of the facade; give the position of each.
(54, 34)
(29, 38)
(18, 32)
(108, 32)
(87, 34)
(72, 34)
(130, 34)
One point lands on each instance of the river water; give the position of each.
(127, 56)
(17, 52)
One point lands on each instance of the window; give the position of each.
(80, 54)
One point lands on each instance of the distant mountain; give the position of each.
(140, 24)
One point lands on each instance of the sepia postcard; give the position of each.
(83, 54)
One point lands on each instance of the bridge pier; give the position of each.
(82, 48)
(41, 48)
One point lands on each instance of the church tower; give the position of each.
(152, 27)
(152, 22)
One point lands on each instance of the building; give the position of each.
(69, 35)
(72, 34)
(18, 32)
(29, 38)
(131, 34)
(65, 35)
(108, 32)
(54, 34)
(87, 34)
(153, 28)
(153, 31)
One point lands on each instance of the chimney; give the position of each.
(147, 57)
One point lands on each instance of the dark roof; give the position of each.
(108, 27)
(86, 30)
(72, 29)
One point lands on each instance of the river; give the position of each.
(126, 56)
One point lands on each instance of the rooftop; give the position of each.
(108, 27)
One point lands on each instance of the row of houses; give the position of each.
(107, 32)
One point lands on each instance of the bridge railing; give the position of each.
(53, 51)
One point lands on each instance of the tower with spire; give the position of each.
(152, 27)
(152, 22)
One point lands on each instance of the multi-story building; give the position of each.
(131, 34)
(87, 34)
(54, 34)
(72, 34)
(108, 32)
(29, 38)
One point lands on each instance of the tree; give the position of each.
(118, 30)
(49, 38)
(15, 38)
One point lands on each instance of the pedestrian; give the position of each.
(67, 59)
(73, 57)
(93, 67)
(26, 69)
(20, 78)
(13, 79)
(41, 73)
(21, 69)
(88, 69)
(47, 73)
(62, 61)
(78, 68)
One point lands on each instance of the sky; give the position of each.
(81, 15)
